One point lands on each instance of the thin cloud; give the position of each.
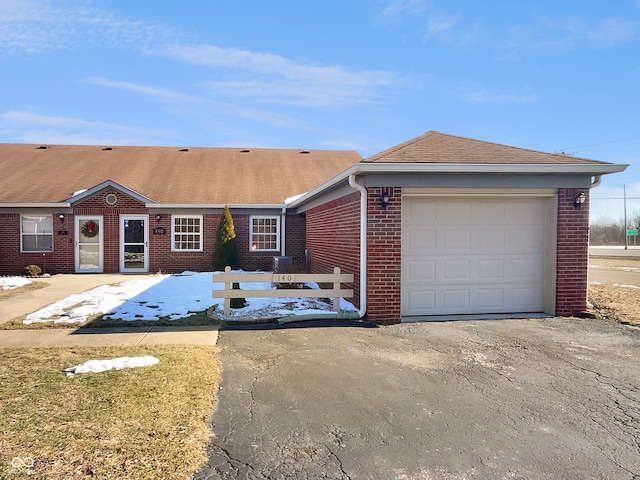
(206, 108)
(440, 23)
(401, 8)
(479, 95)
(271, 78)
(35, 26)
(38, 128)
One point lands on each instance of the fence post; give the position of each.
(336, 286)
(227, 286)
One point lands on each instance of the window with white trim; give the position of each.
(36, 233)
(264, 234)
(186, 233)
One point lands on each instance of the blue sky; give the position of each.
(334, 74)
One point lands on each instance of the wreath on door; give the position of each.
(90, 229)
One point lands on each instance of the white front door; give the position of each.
(88, 245)
(134, 242)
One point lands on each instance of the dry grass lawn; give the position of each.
(13, 292)
(141, 423)
(615, 303)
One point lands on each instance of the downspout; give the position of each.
(363, 243)
(596, 181)
(283, 232)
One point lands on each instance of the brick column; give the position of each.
(572, 253)
(384, 255)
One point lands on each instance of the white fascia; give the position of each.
(35, 205)
(484, 168)
(156, 206)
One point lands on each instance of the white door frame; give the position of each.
(145, 244)
(78, 243)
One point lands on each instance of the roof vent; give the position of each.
(107, 148)
(42, 147)
(245, 150)
(304, 152)
(183, 150)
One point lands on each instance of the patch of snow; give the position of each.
(174, 297)
(97, 366)
(9, 283)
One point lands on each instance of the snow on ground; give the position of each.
(97, 366)
(8, 283)
(173, 296)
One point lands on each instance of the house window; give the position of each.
(265, 233)
(186, 231)
(36, 233)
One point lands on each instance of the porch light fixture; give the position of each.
(580, 199)
(384, 200)
(61, 217)
(158, 217)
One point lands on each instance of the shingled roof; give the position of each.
(436, 147)
(44, 174)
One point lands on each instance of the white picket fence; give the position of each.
(335, 293)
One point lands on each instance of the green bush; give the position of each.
(226, 251)
(32, 270)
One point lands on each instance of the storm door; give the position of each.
(134, 242)
(88, 245)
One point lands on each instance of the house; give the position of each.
(438, 226)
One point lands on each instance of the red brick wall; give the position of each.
(384, 247)
(161, 258)
(572, 253)
(333, 239)
(12, 261)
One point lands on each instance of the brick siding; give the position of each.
(333, 239)
(161, 258)
(572, 261)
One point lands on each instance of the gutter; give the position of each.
(363, 243)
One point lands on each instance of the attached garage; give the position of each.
(477, 254)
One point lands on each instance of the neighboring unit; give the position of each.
(436, 227)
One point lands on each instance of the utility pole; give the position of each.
(626, 237)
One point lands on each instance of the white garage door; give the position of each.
(472, 255)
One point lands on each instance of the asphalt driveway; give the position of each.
(514, 399)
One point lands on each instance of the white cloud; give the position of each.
(271, 78)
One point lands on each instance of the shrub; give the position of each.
(226, 251)
(237, 302)
(32, 270)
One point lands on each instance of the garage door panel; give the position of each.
(524, 240)
(491, 299)
(456, 299)
(421, 271)
(454, 240)
(454, 212)
(420, 241)
(456, 270)
(491, 269)
(421, 302)
(527, 269)
(490, 240)
(477, 255)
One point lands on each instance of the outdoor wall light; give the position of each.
(61, 217)
(384, 200)
(580, 199)
(159, 217)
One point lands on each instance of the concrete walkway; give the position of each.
(61, 286)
